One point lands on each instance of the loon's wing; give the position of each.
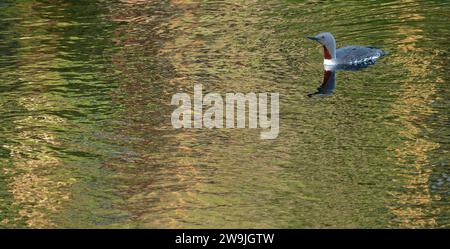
(353, 55)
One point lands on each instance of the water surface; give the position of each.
(86, 138)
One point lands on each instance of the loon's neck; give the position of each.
(329, 53)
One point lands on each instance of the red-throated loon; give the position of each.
(350, 55)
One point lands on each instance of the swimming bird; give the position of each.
(346, 58)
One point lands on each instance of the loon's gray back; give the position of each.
(353, 55)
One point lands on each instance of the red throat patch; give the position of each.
(326, 53)
(326, 77)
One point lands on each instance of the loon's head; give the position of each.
(328, 43)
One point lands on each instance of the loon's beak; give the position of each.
(312, 38)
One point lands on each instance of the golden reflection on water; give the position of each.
(413, 206)
(196, 54)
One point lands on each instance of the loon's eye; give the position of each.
(323, 36)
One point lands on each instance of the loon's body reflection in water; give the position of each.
(328, 84)
(329, 77)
